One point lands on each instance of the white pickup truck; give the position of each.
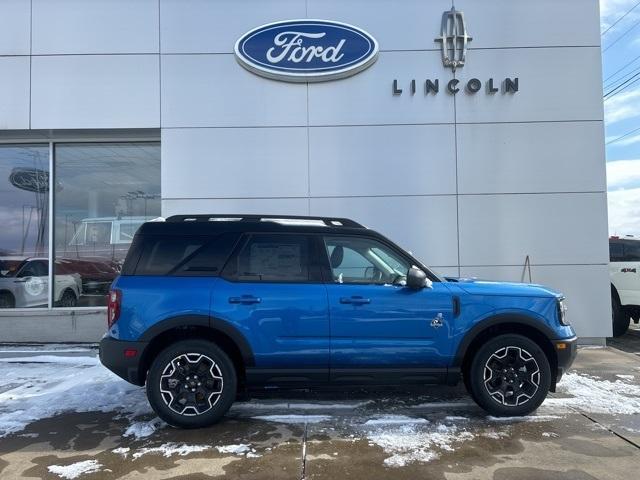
(624, 270)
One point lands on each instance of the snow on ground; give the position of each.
(171, 448)
(36, 389)
(395, 420)
(595, 395)
(140, 430)
(75, 469)
(417, 440)
(124, 451)
(293, 418)
(239, 449)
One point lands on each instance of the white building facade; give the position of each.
(114, 111)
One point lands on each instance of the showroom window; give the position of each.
(24, 215)
(101, 193)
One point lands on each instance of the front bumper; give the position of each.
(566, 351)
(117, 356)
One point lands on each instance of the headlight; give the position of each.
(562, 313)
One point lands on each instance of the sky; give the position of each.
(621, 45)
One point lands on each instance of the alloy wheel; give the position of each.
(191, 384)
(511, 376)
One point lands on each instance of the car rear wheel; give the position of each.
(509, 376)
(191, 384)
(7, 300)
(68, 299)
(619, 317)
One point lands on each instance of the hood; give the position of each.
(475, 286)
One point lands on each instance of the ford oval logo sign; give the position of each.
(306, 50)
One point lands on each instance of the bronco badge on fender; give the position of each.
(306, 50)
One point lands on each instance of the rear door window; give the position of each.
(185, 255)
(272, 258)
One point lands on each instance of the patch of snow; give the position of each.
(239, 449)
(35, 390)
(49, 347)
(124, 451)
(550, 434)
(524, 418)
(253, 455)
(171, 448)
(395, 420)
(597, 396)
(415, 442)
(140, 430)
(625, 377)
(293, 418)
(492, 434)
(455, 418)
(76, 361)
(69, 472)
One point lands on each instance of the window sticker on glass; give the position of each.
(271, 258)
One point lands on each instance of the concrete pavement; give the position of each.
(590, 429)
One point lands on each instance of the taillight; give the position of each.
(113, 307)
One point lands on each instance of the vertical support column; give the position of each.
(51, 219)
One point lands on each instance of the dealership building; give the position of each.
(470, 132)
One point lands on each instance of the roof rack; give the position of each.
(328, 221)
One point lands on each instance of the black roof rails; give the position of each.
(328, 221)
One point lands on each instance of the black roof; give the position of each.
(208, 224)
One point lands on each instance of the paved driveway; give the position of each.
(63, 416)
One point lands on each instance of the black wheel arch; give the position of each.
(10, 294)
(615, 294)
(203, 327)
(503, 324)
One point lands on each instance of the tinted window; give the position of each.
(264, 257)
(364, 260)
(616, 251)
(632, 251)
(184, 255)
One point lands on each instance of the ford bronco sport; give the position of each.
(208, 307)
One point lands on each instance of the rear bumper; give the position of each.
(566, 351)
(117, 356)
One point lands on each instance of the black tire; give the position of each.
(619, 317)
(68, 299)
(7, 300)
(195, 398)
(514, 392)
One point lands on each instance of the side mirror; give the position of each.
(416, 278)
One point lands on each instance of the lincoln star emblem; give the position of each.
(454, 39)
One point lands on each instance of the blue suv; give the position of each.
(210, 307)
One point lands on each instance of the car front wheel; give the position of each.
(509, 376)
(191, 384)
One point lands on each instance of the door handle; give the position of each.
(245, 300)
(356, 300)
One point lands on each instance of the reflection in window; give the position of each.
(103, 193)
(24, 212)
